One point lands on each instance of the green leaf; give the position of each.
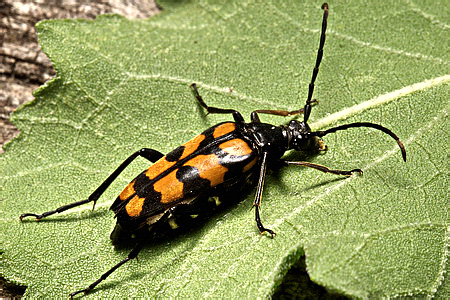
(123, 85)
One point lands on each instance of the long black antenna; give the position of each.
(364, 124)
(307, 109)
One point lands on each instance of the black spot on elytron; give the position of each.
(144, 189)
(187, 173)
(193, 183)
(175, 154)
(143, 185)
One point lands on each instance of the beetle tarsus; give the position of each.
(86, 290)
(38, 217)
(272, 234)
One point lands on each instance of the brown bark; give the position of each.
(23, 66)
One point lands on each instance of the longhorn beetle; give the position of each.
(186, 182)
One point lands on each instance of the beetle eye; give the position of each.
(293, 124)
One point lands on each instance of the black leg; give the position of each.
(258, 196)
(215, 110)
(254, 117)
(131, 255)
(150, 154)
(174, 212)
(322, 168)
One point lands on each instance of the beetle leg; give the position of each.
(258, 196)
(150, 154)
(131, 255)
(322, 168)
(215, 110)
(283, 113)
(171, 214)
(254, 117)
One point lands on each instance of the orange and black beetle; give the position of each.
(187, 181)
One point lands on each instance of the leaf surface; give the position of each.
(124, 84)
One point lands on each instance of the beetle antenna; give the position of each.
(307, 109)
(364, 124)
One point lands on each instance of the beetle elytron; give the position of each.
(188, 181)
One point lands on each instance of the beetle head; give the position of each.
(301, 139)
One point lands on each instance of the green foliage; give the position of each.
(123, 84)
